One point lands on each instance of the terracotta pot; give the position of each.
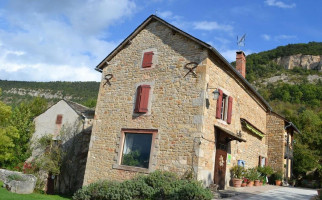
(250, 184)
(243, 184)
(278, 182)
(260, 183)
(256, 183)
(237, 182)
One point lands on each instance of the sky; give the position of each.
(64, 40)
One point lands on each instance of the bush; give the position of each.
(157, 185)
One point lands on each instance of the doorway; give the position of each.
(221, 158)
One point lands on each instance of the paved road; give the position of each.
(280, 193)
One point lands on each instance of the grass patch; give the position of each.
(6, 195)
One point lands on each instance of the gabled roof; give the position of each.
(80, 109)
(105, 61)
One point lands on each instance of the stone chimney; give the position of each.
(241, 63)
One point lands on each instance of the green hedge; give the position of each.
(157, 185)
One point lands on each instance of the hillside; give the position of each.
(279, 60)
(14, 92)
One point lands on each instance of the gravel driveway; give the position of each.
(278, 193)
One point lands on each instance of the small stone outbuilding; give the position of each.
(70, 124)
(169, 101)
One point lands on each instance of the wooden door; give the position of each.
(50, 184)
(220, 161)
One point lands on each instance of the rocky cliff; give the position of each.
(299, 60)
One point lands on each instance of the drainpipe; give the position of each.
(288, 155)
(287, 150)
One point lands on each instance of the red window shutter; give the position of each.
(219, 101)
(266, 161)
(230, 109)
(142, 99)
(59, 119)
(260, 161)
(147, 59)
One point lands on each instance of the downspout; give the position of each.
(287, 150)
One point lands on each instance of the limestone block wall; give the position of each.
(244, 106)
(175, 107)
(276, 146)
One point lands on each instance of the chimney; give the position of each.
(241, 63)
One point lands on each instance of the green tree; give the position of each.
(307, 148)
(8, 134)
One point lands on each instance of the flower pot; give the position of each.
(260, 183)
(243, 184)
(250, 184)
(256, 183)
(278, 182)
(237, 182)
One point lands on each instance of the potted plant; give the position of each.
(244, 183)
(278, 178)
(237, 173)
(252, 175)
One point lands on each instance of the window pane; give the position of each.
(136, 150)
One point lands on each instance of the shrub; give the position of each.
(157, 185)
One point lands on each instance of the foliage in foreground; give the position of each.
(157, 185)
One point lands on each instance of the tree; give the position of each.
(22, 118)
(8, 134)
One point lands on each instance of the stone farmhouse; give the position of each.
(70, 125)
(169, 101)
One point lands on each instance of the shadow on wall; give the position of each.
(75, 147)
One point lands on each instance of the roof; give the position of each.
(80, 109)
(105, 61)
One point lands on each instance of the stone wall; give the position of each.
(244, 106)
(178, 109)
(176, 104)
(276, 145)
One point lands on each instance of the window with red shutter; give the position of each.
(147, 59)
(59, 119)
(142, 99)
(219, 104)
(230, 107)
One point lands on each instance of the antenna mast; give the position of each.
(241, 41)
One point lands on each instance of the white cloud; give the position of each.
(279, 4)
(57, 40)
(266, 37)
(211, 25)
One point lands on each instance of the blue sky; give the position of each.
(63, 40)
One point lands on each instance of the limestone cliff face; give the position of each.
(299, 60)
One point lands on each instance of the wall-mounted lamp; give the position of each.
(216, 94)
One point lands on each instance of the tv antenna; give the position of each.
(241, 41)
